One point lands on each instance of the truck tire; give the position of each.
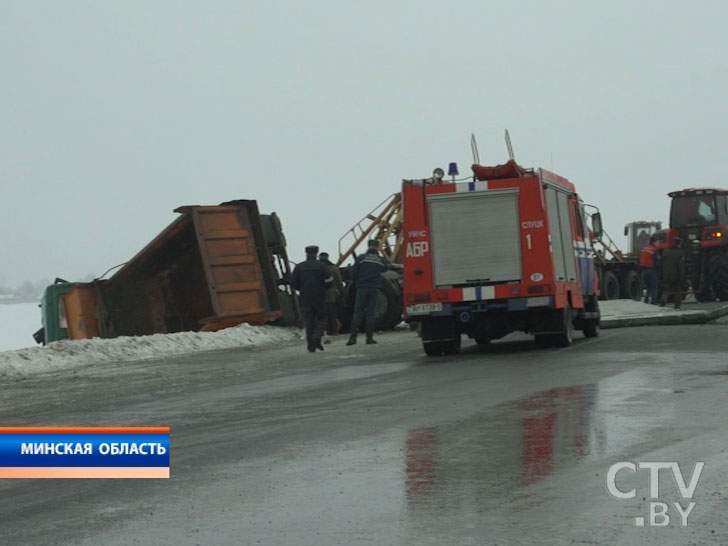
(718, 273)
(389, 305)
(544, 341)
(590, 327)
(631, 286)
(433, 348)
(610, 286)
(482, 340)
(345, 309)
(565, 338)
(704, 294)
(451, 347)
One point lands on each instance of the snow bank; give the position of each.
(18, 321)
(65, 355)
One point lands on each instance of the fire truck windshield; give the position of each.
(693, 210)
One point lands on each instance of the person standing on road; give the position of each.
(311, 278)
(648, 269)
(332, 295)
(672, 273)
(367, 277)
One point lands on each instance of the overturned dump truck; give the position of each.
(211, 268)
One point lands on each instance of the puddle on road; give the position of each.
(511, 446)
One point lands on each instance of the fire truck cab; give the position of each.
(508, 251)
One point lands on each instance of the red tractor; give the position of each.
(699, 216)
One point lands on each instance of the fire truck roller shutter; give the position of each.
(557, 203)
(475, 237)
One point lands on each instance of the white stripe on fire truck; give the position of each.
(581, 250)
(476, 293)
(478, 185)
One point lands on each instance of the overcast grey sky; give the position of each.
(115, 113)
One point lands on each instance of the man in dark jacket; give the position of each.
(311, 278)
(332, 295)
(367, 277)
(672, 273)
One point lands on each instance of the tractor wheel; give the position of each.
(631, 286)
(704, 294)
(610, 286)
(718, 273)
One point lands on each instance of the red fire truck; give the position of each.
(508, 251)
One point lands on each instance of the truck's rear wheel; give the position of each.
(610, 286)
(565, 338)
(591, 329)
(631, 286)
(451, 347)
(436, 348)
(544, 341)
(389, 306)
(433, 348)
(590, 326)
(718, 273)
(482, 340)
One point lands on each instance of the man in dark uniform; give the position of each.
(367, 277)
(311, 278)
(672, 273)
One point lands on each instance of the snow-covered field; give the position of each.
(18, 321)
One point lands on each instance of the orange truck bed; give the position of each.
(209, 269)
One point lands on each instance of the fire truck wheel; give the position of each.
(565, 338)
(451, 347)
(482, 340)
(591, 328)
(718, 273)
(631, 286)
(544, 341)
(610, 286)
(432, 349)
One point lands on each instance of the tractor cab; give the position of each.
(699, 216)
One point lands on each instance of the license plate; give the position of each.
(423, 308)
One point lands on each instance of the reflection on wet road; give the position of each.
(507, 447)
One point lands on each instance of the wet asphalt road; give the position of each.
(505, 444)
